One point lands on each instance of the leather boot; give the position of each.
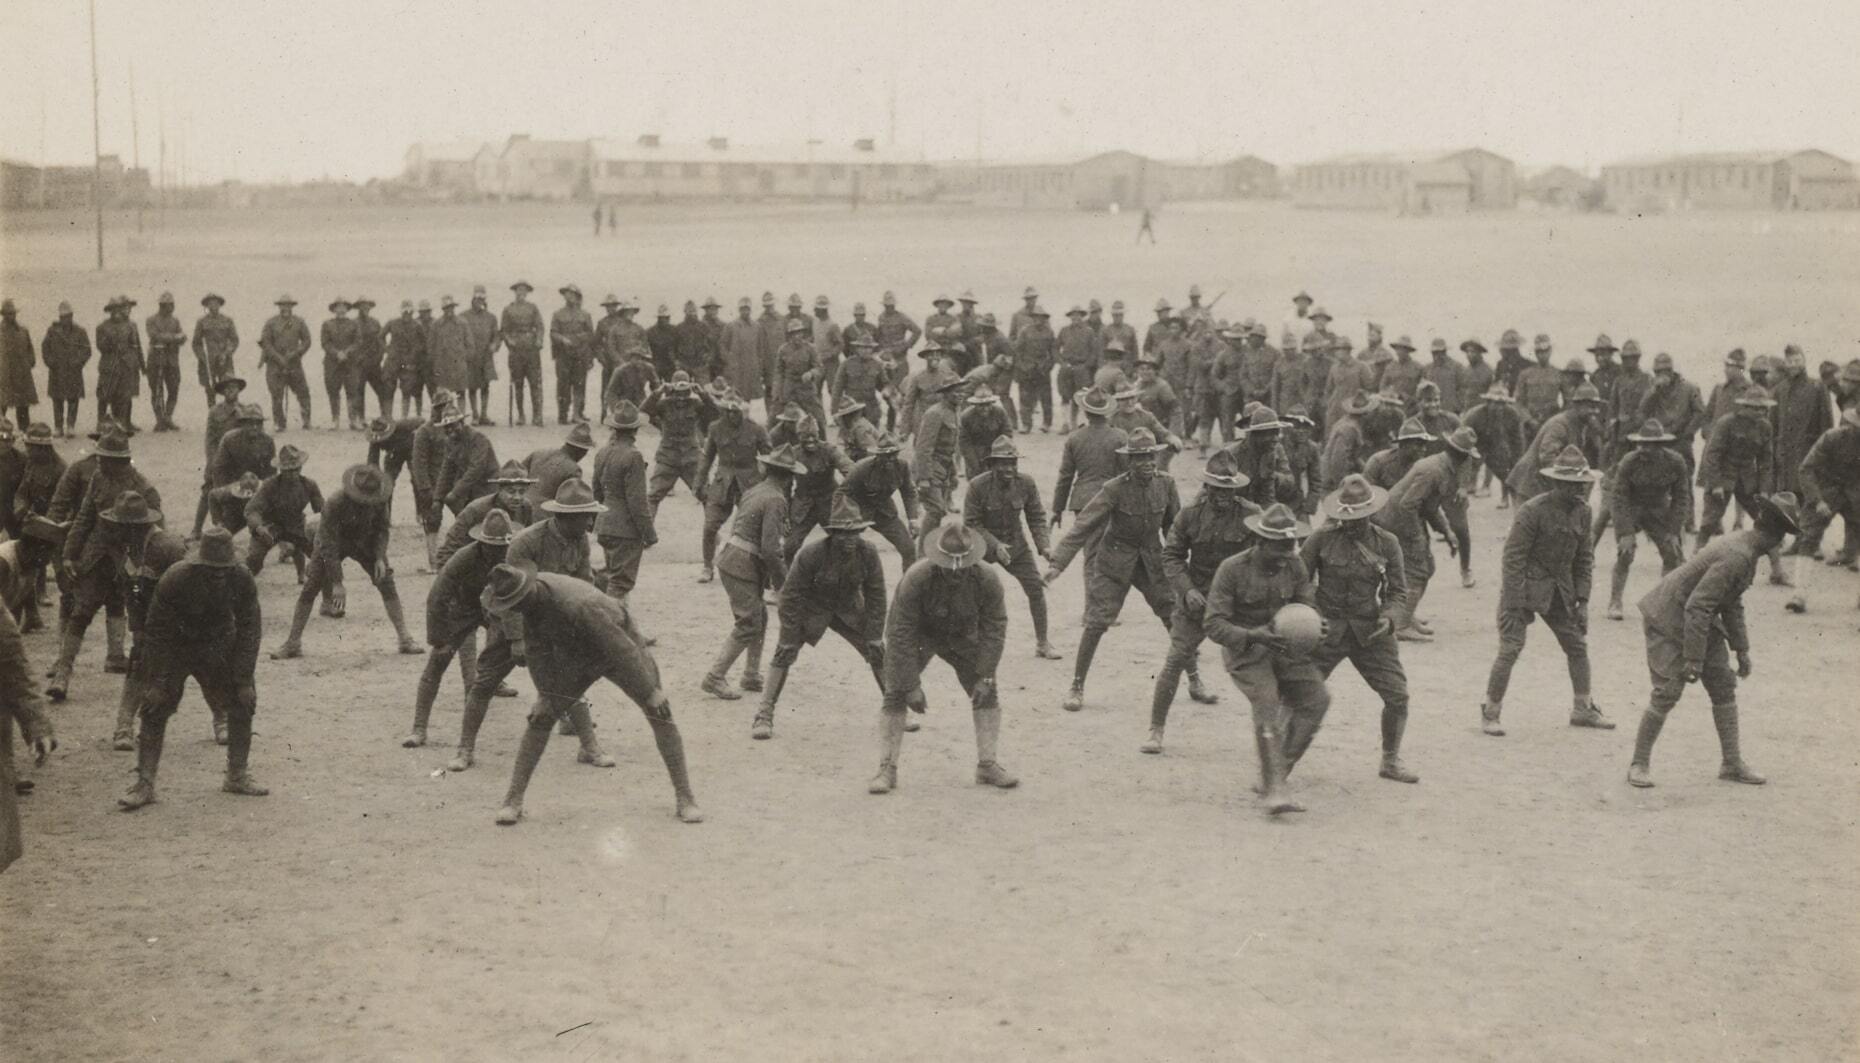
(1088, 648)
(1272, 773)
(1724, 717)
(529, 754)
(752, 666)
(124, 738)
(1617, 584)
(60, 682)
(1488, 718)
(890, 744)
(390, 600)
(1042, 648)
(672, 751)
(1393, 724)
(116, 634)
(764, 726)
(1167, 679)
(220, 737)
(581, 716)
(988, 770)
(148, 758)
(1198, 691)
(716, 682)
(293, 643)
(238, 750)
(424, 693)
(432, 550)
(1650, 724)
(1584, 712)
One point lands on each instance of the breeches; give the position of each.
(1376, 659)
(161, 694)
(747, 607)
(1666, 665)
(622, 557)
(1105, 592)
(1275, 686)
(1562, 622)
(960, 659)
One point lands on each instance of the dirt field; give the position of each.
(1520, 903)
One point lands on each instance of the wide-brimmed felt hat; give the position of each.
(1651, 432)
(579, 435)
(888, 443)
(39, 434)
(967, 296)
(988, 319)
(710, 302)
(794, 325)
(131, 508)
(1783, 506)
(783, 457)
(1586, 392)
(512, 472)
(215, 549)
(942, 300)
(821, 302)
(1470, 346)
(611, 300)
(1511, 339)
(426, 306)
(1402, 343)
(478, 292)
(846, 516)
(1412, 428)
(406, 306)
(954, 545)
(1129, 394)
(1437, 345)
(1736, 358)
(510, 583)
(1093, 400)
(983, 395)
(1140, 441)
(344, 303)
(1030, 293)
(290, 458)
(112, 443)
(367, 484)
(494, 529)
(570, 289)
(1755, 395)
(1496, 393)
(573, 496)
(1163, 307)
(1664, 360)
(948, 386)
(1464, 440)
(1263, 418)
(211, 298)
(791, 412)
(1002, 449)
(250, 413)
(1299, 415)
(1630, 349)
(624, 416)
(1361, 402)
(1354, 499)
(284, 300)
(681, 381)
(1319, 314)
(1094, 306)
(380, 429)
(1221, 472)
(1116, 345)
(1602, 343)
(45, 529)
(522, 286)
(1541, 342)
(847, 406)
(1303, 297)
(246, 486)
(450, 415)
(1277, 522)
(1571, 466)
(1076, 311)
(887, 299)
(864, 342)
(1575, 365)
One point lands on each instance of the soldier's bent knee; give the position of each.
(785, 654)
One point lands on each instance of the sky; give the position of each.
(283, 89)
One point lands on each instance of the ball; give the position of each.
(1300, 626)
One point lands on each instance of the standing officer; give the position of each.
(355, 525)
(66, 349)
(731, 446)
(404, 351)
(662, 341)
(749, 564)
(119, 364)
(340, 338)
(203, 623)
(284, 342)
(1691, 619)
(676, 410)
(521, 326)
(1549, 567)
(571, 344)
(873, 481)
(216, 338)
(1000, 503)
(1035, 351)
(624, 528)
(1539, 387)
(937, 443)
(1078, 354)
(1646, 494)
(699, 341)
(166, 336)
(1362, 594)
(364, 365)
(17, 391)
(454, 615)
(1089, 458)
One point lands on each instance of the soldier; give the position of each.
(981, 422)
(1691, 619)
(142, 552)
(1830, 474)
(797, 368)
(483, 335)
(1724, 395)
(284, 342)
(521, 326)
(771, 333)
(968, 334)
(454, 615)
(166, 336)
(1574, 375)
(571, 345)
(38, 483)
(405, 350)
(1035, 352)
(448, 350)
(749, 564)
(740, 353)
(1628, 388)
(1089, 458)
(1500, 430)
(1738, 463)
(677, 409)
(1447, 375)
(731, 446)
(1646, 494)
(119, 364)
(1347, 448)
(203, 623)
(872, 483)
(1205, 533)
(860, 377)
(430, 446)
(67, 496)
(421, 381)
(1000, 502)
(942, 326)
(1606, 371)
(1124, 523)
(216, 339)
(1363, 595)
(1404, 374)
(1476, 376)
(633, 378)
(836, 583)
(857, 435)
(1184, 372)
(895, 331)
(86, 562)
(1674, 401)
(625, 528)
(1114, 371)
(1433, 416)
(24, 561)
(572, 636)
(1259, 457)
(355, 525)
(1803, 413)
(606, 345)
(1578, 426)
(1157, 395)
(1221, 369)
(1549, 567)
(810, 503)
(390, 444)
(276, 513)
(365, 364)
(1539, 387)
(1423, 498)
(246, 447)
(1298, 379)
(226, 504)
(513, 495)
(469, 466)
(339, 338)
(1284, 689)
(916, 393)
(698, 348)
(662, 341)
(1078, 352)
(859, 326)
(1307, 464)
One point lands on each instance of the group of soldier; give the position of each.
(1334, 471)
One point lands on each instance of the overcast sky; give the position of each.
(265, 89)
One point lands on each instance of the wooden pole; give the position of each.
(135, 142)
(96, 138)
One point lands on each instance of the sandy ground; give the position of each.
(1520, 903)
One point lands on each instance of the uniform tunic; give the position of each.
(679, 418)
(404, 362)
(521, 325)
(810, 504)
(204, 624)
(459, 534)
(626, 529)
(870, 486)
(1088, 460)
(1006, 509)
(66, 349)
(393, 453)
(1694, 615)
(1539, 393)
(1420, 500)
(959, 615)
(934, 460)
(979, 425)
(825, 590)
(216, 339)
(242, 450)
(1803, 413)
(448, 353)
(1202, 536)
(276, 515)
(752, 559)
(1361, 583)
(483, 335)
(1561, 430)
(1647, 494)
(1246, 593)
(861, 376)
(1125, 522)
(1549, 566)
(119, 360)
(1449, 376)
(1268, 469)
(453, 607)
(16, 364)
(740, 354)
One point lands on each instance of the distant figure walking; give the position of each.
(597, 219)
(612, 222)
(1147, 227)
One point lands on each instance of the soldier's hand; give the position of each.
(1196, 601)
(381, 570)
(1744, 667)
(1823, 509)
(1052, 574)
(983, 694)
(42, 748)
(1384, 626)
(1266, 637)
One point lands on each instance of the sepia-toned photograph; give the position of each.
(1095, 531)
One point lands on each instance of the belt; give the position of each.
(744, 545)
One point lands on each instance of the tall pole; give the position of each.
(96, 138)
(135, 142)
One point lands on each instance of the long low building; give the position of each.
(1810, 179)
(1123, 179)
(1426, 182)
(648, 168)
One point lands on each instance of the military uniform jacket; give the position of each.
(339, 337)
(1259, 371)
(996, 505)
(1705, 593)
(797, 365)
(166, 337)
(243, 450)
(825, 462)
(66, 349)
(406, 346)
(1360, 582)
(1803, 413)
(1500, 430)
(934, 453)
(1447, 375)
(1539, 392)
(733, 450)
(1723, 400)
(1202, 537)
(84, 543)
(216, 338)
(550, 467)
(459, 534)
(955, 612)
(858, 438)
(1269, 470)
(620, 483)
(72, 486)
(571, 337)
(1475, 381)
(279, 505)
(1128, 517)
(1298, 381)
(448, 347)
(284, 341)
(1035, 351)
(1159, 398)
(1678, 407)
(1177, 360)
(222, 418)
(1079, 346)
(1345, 450)
(467, 469)
(39, 481)
(119, 359)
(521, 325)
(429, 454)
(368, 333)
(897, 333)
(1548, 553)
(550, 551)
(1623, 408)
(1416, 501)
(1129, 421)
(1651, 481)
(352, 530)
(1831, 472)
(570, 629)
(816, 593)
(1246, 593)
(633, 380)
(454, 606)
(1087, 461)
(193, 625)
(874, 479)
(756, 535)
(1738, 455)
(1560, 431)
(662, 341)
(980, 426)
(676, 418)
(696, 348)
(482, 337)
(397, 449)
(1226, 368)
(860, 375)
